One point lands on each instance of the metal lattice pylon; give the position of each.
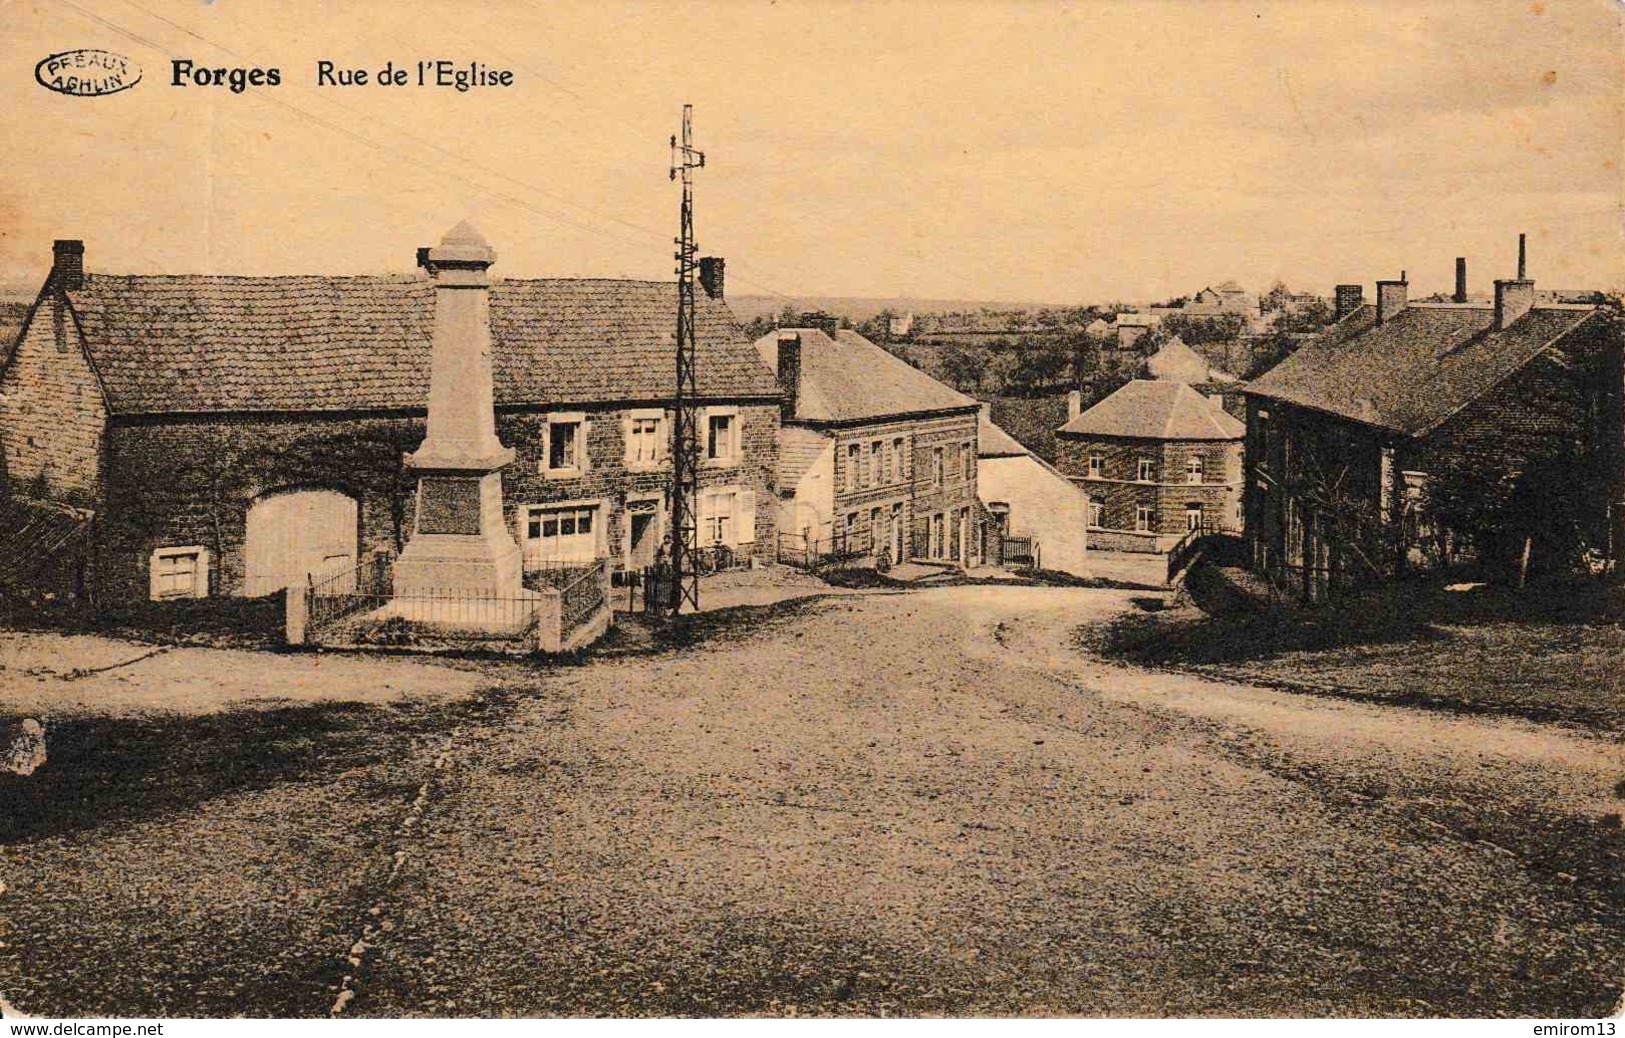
(684, 587)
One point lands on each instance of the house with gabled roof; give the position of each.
(1174, 361)
(1028, 505)
(1345, 436)
(235, 435)
(876, 458)
(1156, 460)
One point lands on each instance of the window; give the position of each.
(853, 451)
(938, 471)
(722, 436)
(866, 465)
(1193, 469)
(897, 452)
(727, 516)
(970, 463)
(1097, 512)
(1193, 516)
(1143, 517)
(1097, 466)
(645, 439)
(1145, 471)
(885, 457)
(559, 533)
(179, 573)
(877, 464)
(566, 448)
(939, 532)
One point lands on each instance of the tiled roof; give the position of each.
(168, 344)
(1177, 362)
(1417, 368)
(994, 442)
(1147, 410)
(848, 378)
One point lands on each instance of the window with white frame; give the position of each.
(181, 572)
(567, 532)
(727, 516)
(1144, 515)
(1097, 466)
(645, 439)
(565, 452)
(852, 461)
(1193, 468)
(1193, 516)
(897, 452)
(722, 435)
(939, 469)
(877, 464)
(1145, 471)
(1097, 512)
(969, 460)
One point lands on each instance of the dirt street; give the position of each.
(919, 803)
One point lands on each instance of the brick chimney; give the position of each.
(1349, 298)
(1514, 296)
(789, 373)
(68, 264)
(423, 257)
(1391, 297)
(1461, 280)
(711, 275)
(826, 323)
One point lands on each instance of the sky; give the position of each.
(1040, 152)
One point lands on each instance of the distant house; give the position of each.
(1097, 329)
(1177, 362)
(1130, 326)
(875, 456)
(1225, 298)
(1024, 497)
(1344, 434)
(237, 435)
(1156, 460)
(899, 326)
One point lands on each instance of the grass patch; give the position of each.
(1549, 653)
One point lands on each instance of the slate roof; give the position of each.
(994, 442)
(848, 378)
(194, 343)
(1177, 362)
(1147, 410)
(1416, 369)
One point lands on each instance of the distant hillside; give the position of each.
(858, 309)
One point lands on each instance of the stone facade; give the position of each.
(51, 409)
(1169, 491)
(866, 481)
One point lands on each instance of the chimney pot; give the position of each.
(711, 275)
(1391, 298)
(423, 257)
(1461, 280)
(1523, 255)
(68, 264)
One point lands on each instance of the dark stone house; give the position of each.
(1349, 440)
(233, 435)
(1157, 459)
(875, 456)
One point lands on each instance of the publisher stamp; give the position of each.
(87, 73)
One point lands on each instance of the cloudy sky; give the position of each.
(1037, 151)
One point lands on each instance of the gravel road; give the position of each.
(921, 803)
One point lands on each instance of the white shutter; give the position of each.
(705, 507)
(745, 523)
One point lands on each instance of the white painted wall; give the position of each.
(1043, 504)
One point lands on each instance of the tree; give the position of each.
(964, 366)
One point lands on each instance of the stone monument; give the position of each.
(460, 545)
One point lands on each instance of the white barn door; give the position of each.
(295, 535)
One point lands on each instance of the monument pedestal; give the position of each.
(461, 546)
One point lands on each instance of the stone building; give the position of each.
(1343, 435)
(234, 435)
(1156, 459)
(875, 456)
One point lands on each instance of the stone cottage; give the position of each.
(235, 435)
(1346, 437)
(875, 456)
(1156, 459)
